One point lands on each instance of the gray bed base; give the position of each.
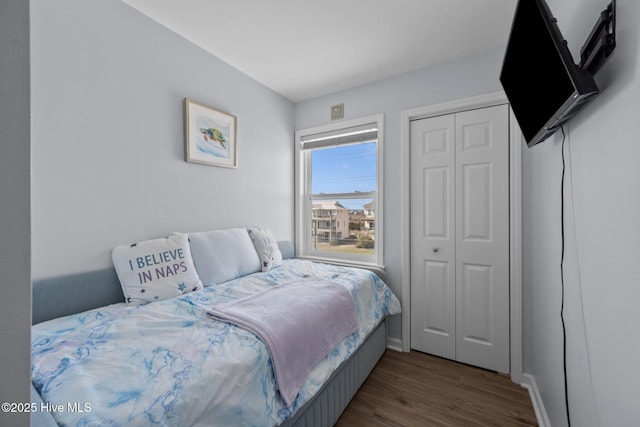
(57, 297)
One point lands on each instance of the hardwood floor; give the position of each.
(417, 389)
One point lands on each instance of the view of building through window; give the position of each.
(343, 187)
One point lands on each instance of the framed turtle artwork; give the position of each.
(209, 136)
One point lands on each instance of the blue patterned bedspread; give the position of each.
(167, 363)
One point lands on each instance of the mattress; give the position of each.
(168, 363)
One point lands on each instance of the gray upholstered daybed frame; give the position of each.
(62, 296)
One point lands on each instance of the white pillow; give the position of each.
(155, 270)
(266, 246)
(222, 255)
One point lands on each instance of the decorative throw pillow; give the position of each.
(266, 246)
(222, 255)
(155, 270)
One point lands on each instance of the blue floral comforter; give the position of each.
(167, 363)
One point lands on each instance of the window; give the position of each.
(339, 191)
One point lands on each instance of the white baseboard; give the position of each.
(394, 344)
(529, 382)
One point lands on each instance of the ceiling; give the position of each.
(303, 49)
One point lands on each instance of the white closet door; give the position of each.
(459, 237)
(482, 238)
(433, 236)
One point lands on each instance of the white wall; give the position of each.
(15, 228)
(474, 75)
(108, 85)
(602, 239)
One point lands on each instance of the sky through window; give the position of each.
(345, 169)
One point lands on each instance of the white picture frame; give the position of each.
(209, 135)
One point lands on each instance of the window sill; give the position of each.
(375, 268)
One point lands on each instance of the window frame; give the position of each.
(303, 196)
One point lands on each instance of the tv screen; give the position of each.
(544, 86)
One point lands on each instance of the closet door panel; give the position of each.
(482, 239)
(433, 236)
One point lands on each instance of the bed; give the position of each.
(171, 362)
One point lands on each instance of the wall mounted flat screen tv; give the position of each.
(543, 85)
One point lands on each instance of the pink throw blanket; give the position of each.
(300, 323)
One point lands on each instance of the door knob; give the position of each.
(435, 250)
